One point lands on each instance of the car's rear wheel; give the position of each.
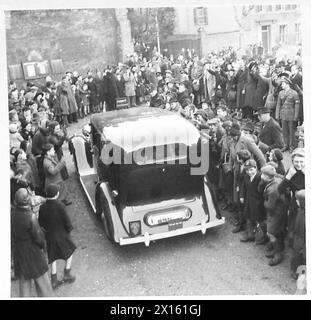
(106, 219)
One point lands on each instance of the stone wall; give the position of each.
(83, 39)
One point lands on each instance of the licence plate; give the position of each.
(175, 224)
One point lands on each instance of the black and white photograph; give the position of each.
(155, 149)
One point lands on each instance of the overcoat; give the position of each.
(62, 96)
(27, 244)
(271, 135)
(250, 90)
(253, 200)
(111, 89)
(296, 183)
(52, 168)
(54, 218)
(275, 206)
(241, 77)
(247, 143)
(261, 92)
(129, 83)
(57, 142)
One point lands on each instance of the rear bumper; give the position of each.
(146, 238)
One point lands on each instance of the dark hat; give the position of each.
(287, 80)
(51, 190)
(251, 163)
(47, 146)
(249, 126)
(235, 129)
(285, 77)
(278, 154)
(30, 84)
(263, 110)
(21, 197)
(284, 74)
(269, 170)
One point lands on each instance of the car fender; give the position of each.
(119, 230)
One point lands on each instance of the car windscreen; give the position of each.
(147, 184)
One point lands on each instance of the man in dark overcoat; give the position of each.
(262, 89)
(55, 220)
(111, 89)
(250, 89)
(94, 96)
(270, 136)
(241, 77)
(40, 138)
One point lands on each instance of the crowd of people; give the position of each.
(250, 109)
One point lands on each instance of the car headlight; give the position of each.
(135, 228)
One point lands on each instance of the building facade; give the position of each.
(213, 28)
(272, 25)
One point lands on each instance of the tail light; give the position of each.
(135, 228)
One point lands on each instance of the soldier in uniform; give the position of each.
(287, 110)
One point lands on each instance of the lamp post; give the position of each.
(200, 41)
(157, 28)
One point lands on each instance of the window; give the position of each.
(278, 7)
(258, 8)
(268, 8)
(200, 16)
(294, 6)
(298, 32)
(287, 7)
(283, 33)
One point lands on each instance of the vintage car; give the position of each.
(136, 171)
